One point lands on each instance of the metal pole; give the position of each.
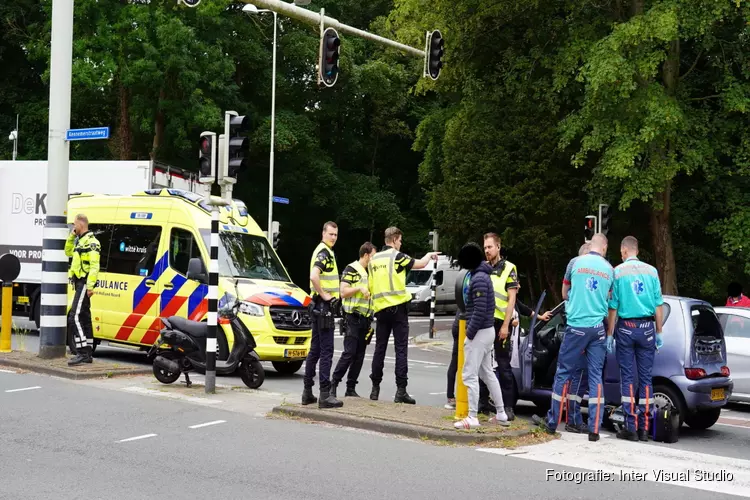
(6, 309)
(273, 131)
(54, 299)
(310, 17)
(432, 304)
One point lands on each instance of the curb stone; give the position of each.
(390, 427)
(73, 373)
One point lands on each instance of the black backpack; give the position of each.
(666, 425)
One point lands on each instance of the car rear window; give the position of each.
(707, 332)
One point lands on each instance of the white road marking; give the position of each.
(655, 463)
(215, 422)
(737, 415)
(136, 438)
(437, 393)
(24, 389)
(7, 371)
(152, 392)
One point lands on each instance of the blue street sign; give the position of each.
(279, 199)
(87, 134)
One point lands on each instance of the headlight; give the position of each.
(251, 309)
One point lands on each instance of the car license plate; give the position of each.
(295, 353)
(717, 394)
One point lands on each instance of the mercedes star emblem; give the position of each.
(296, 318)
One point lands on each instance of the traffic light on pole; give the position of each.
(329, 57)
(589, 229)
(237, 143)
(207, 157)
(435, 53)
(604, 216)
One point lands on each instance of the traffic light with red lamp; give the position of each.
(207, 157)
(589, 228)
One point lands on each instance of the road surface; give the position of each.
(65, 439)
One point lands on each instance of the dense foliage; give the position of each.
(544, 110)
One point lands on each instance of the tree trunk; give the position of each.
(124, 125)
(158, 127)
(552, 283)
(532, 295)
(661, 234)
(539, 272)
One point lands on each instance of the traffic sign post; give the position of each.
(87, 134)
(279, 199)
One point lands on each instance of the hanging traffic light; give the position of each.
(604, 216)
(435, 51)
(589, 228)
(207, 157)
(238, 144)
(329, 57)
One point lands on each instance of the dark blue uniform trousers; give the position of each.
(580, 347)
(321, 348)
(636, 346)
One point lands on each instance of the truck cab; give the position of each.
(148, 240)
(418, 284)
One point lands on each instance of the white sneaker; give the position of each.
(450, 405)
(500, 419)
(467, 423)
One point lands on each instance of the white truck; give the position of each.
(23, 210)
(418, 285)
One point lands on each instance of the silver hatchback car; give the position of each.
(736, 324)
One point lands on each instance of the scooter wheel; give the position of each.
(252, 373)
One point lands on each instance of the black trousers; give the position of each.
(396, 320)
(504, 371)
(321, 349)
(452, 369)
(80, 331)
(354, 350)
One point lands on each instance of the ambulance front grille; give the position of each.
(290, 340)
(296, 319)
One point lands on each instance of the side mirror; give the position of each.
(438, 278)
(196, 271)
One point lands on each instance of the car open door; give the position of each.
(527, 350)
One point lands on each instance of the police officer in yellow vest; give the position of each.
(357, 306)
(324, 288)
(390, 303)
(83, 273)
(505, 283)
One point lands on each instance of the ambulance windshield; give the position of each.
(246, 256)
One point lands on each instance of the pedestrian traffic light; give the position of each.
(329, 57)
(604, 216)
(434, 63)
(207, 157)
(589, 228)
(237, 144)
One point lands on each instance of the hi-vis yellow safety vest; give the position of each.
(501, 295)
(329, 280)
(387, 287)
(85, 252)
(357, 303)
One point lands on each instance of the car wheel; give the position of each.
(664, 394)
(703, 419)
(287, 367)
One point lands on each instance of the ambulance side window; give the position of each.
(182, 248)
(103, 233)
(133, 249)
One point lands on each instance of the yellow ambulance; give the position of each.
(148, 240)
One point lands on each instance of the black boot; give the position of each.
(375, 393)
(627, 435)
(593, 436)
(485, 407)
(542, 424)
(334, 386)
(83, 356)
(511, 414)
(327, 400)
(308, 397)
(403, 397)
(351, 393)
(642, 435)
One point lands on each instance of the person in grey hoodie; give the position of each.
(480, 337)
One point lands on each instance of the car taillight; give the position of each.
(725, 371)
(695, 373)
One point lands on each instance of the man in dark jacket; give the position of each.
(480, 337)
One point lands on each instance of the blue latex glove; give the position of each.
(659, 341)
(610, 342)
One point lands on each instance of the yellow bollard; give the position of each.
(6, 309)
(462, 393)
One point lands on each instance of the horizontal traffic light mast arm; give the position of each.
(310, 17)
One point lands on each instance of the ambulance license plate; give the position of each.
(717, 394)
(295, 353)
(22, 300)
